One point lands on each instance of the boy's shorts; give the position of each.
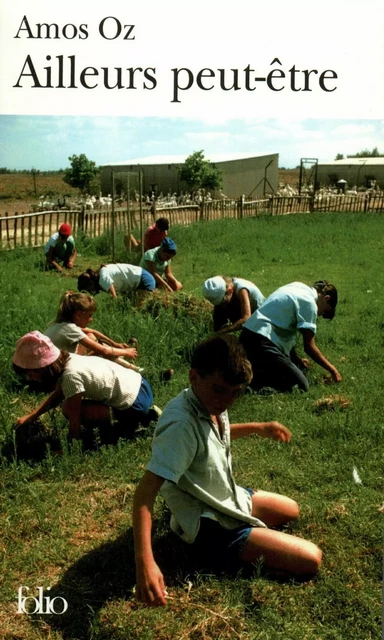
(139, 408)
(219, 545)
(147, 281)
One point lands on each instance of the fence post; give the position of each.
(241, 207)
(15, 233)
(201, 207)
(80, 223)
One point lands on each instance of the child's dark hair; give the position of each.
(162, 223)
(327, 289)
(224, 354)
(89, 280)
(51, 373)
(72, 302)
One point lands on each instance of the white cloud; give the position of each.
(347, 130)
(208, 136)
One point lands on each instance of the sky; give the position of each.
(46, 142)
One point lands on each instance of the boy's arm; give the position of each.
(299, 362)
(112, 291)
(312, 350)
(106, 351)
(51, 402)
(72, 259)
(150, 586)
(101, 336)
(274, 430)
(50, 258)
(161, 283)
(72, 411)
(245, 310)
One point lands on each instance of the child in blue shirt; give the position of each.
(269, 335)
(191, 466)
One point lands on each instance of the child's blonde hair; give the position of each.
(72, 302)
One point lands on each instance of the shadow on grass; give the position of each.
(107, 573)
(33, 441)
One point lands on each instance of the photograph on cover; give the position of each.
(191, 241)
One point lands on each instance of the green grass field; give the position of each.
(66, 520)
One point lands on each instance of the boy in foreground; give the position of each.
(191, 466)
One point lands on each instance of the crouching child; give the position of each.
(191, 467)
(91, 391)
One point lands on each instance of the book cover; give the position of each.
(153, 82)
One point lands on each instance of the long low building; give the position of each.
(357, 172)
(252, 175)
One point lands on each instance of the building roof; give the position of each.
(180, 159)
(354, 161)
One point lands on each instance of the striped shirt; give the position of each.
(100, 380)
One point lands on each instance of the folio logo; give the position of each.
(43, 604)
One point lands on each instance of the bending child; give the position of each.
(191, 466)
(153, 235)
(87, 388)
(60, 248)
(269, 335)
(158, 262)
(116, 278)
(70, 331)
(234, 300)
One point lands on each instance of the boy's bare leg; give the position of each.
(273, 508)
(94, 412)
(130, 242)
(281, 552)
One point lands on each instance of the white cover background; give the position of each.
(346, 36)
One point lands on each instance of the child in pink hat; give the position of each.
(86, 388)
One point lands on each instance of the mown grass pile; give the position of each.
(66, 520)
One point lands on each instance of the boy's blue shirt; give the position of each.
(195, 461)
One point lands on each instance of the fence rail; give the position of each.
(34, 229)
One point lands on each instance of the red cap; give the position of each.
(65, 229)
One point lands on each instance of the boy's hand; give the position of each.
(277, 431)
(150, 587)
(24, 420)
(336, 376)
(131, 352)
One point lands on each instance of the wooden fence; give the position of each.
(34, 229)
(363, 202)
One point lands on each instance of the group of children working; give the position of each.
(154, 269)
(191, 459)
(269, 327)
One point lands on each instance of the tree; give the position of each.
(366, 153)
(83, 174)
(339, 156)
(198, 173)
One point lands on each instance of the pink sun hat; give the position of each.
(35, 351)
